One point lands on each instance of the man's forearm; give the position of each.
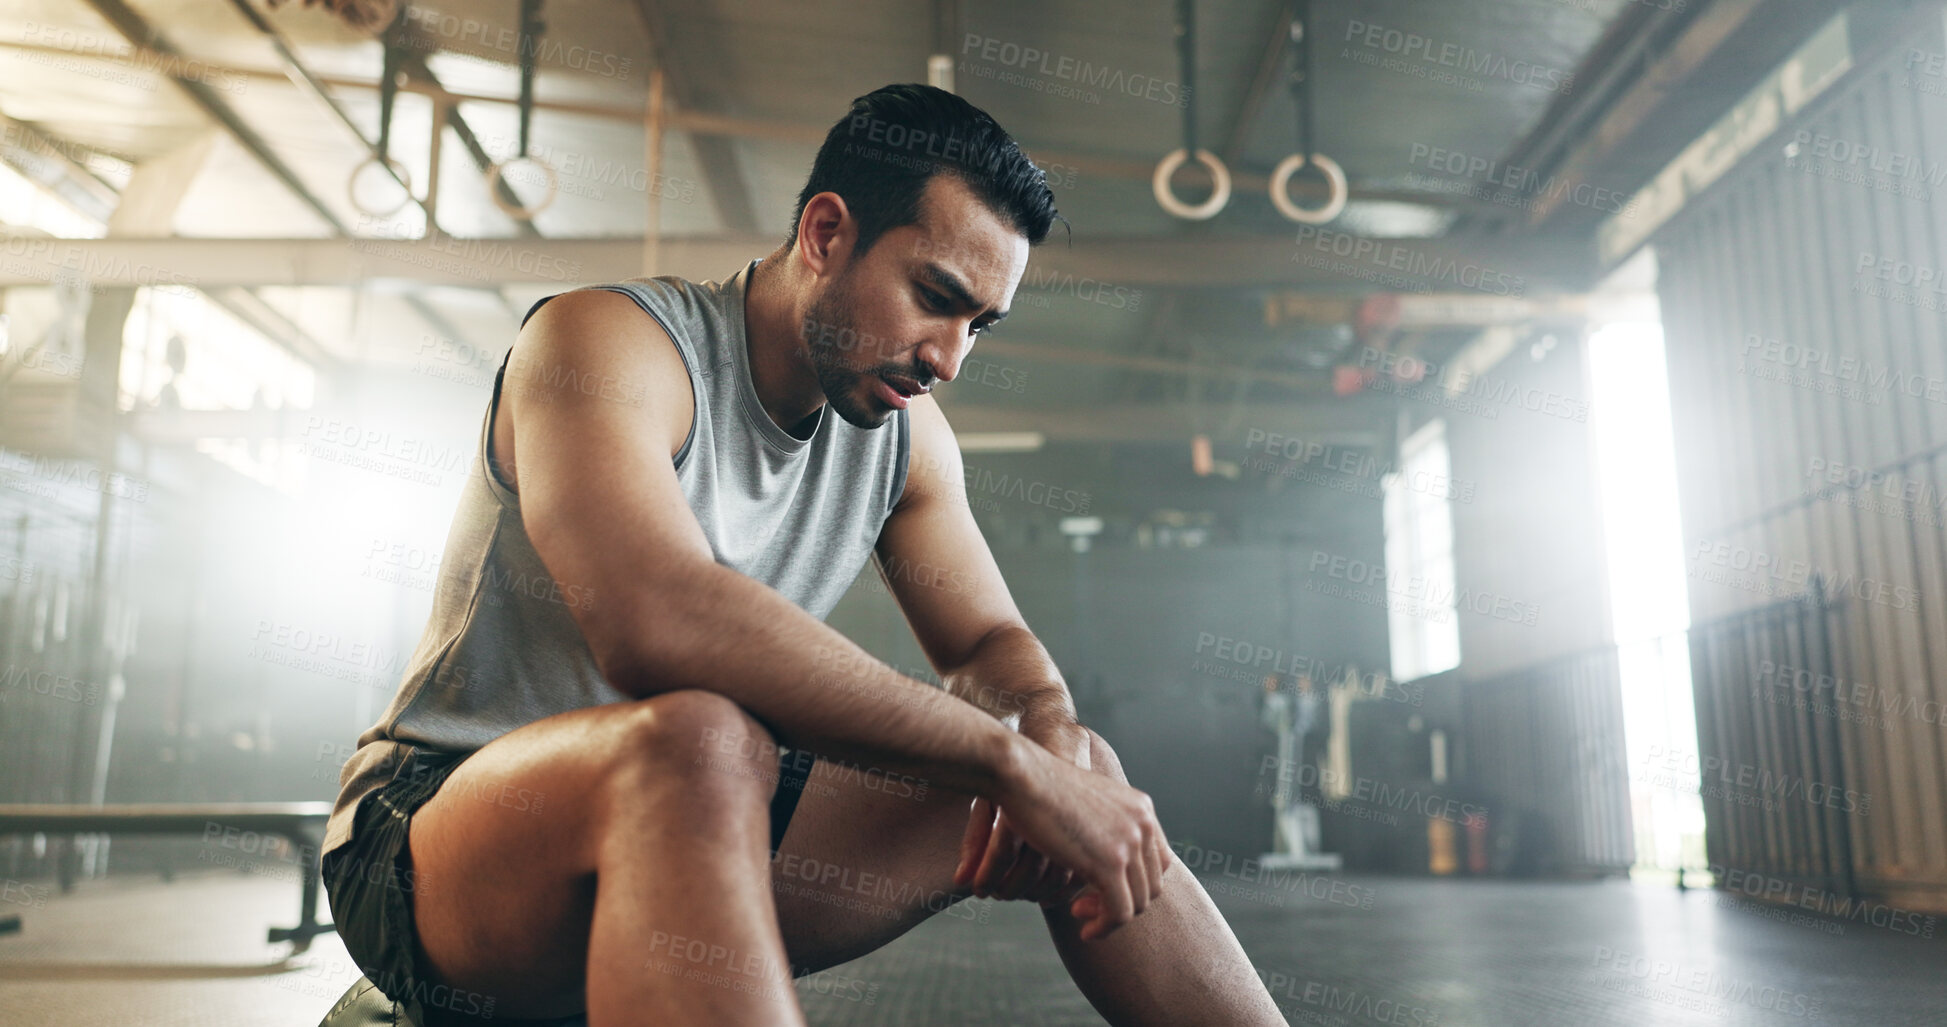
(1012, 677)
(810, 685)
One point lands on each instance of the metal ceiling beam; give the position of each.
(152, 61)
(1490, 267)
(1351, 421)
(1648, 90)
(1650, 85)
(242, 303)
(415, 68)
(52, 164)
(1043, 351)
(705, 127)
(714, 153)
(161, 56)
(1617, 54)
(139, 32)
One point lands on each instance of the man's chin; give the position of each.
(869, 415)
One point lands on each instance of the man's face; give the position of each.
(902, 317)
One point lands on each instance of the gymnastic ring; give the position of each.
(1219, 181)
(521, 213)
(1334, 177)
(398, 168)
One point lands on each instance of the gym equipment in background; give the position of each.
(1186, 48)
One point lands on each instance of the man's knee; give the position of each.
(695, 735)
(1103, 760)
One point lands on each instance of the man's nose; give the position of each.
(943, 359)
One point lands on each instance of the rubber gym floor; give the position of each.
(131, 950)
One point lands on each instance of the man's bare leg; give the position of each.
(539, 909)
(684, 930)
(866, 859)
(638, 884)
(851, 846)
(1177, 963)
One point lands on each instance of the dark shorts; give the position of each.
(368, 883)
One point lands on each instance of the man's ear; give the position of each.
(826, 234)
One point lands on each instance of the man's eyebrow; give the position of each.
(944, 279)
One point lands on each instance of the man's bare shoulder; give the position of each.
(597, 347)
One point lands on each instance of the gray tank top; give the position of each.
(501, 647)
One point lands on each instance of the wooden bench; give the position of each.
(233, 824)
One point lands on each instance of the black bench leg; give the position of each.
(9, 924)
(308, 926)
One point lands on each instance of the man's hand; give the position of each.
(995, 859)
(1085, 821)
(998, 861)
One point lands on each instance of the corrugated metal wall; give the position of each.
(1782, 834)
(50, 698)
(1803, 306)
(58, 637)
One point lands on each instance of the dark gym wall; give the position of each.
(1133, 629)
(1530, 538)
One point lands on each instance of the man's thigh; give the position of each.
(868, 856)
(503, 890)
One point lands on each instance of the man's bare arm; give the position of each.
(1011, 676)
(936, 563)
(602, 505)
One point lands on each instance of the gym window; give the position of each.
(1419, 548)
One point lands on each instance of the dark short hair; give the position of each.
(880, 156)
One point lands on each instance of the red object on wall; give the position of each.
(1347, 380)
